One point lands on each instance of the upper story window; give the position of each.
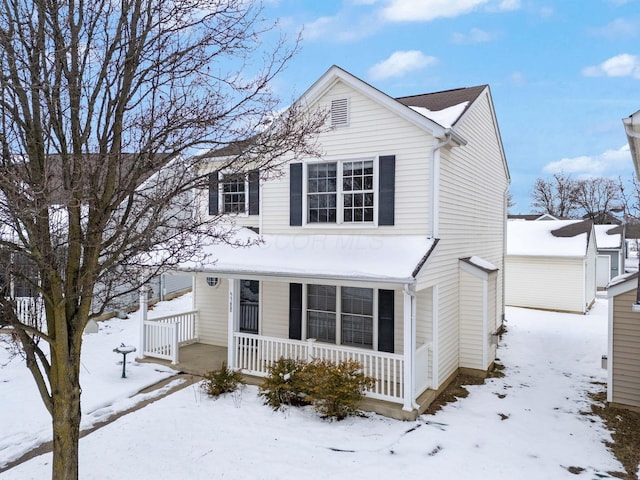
(322, 187)
(233, 193)
(347, 192)
(340, 192)
(357, 186)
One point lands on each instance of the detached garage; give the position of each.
(551, 265)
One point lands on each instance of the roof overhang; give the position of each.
(373, 259)
(632, 129)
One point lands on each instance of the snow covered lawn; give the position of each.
(526, 425)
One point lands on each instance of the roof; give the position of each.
(533, 216)
(608, 236)
(553, 238)
(438, 101)
(632, 129)
(373, 258)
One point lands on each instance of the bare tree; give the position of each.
(596, 197)
(102, 103)
(555, 196)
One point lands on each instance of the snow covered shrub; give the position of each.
(282, 386)
(335, 389)
(217, 382)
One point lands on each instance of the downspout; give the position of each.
(409, 346)
(261, 196)
(434, 218)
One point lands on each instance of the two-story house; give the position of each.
(388, 249)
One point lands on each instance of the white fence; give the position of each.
(163, 336)
(254, 354)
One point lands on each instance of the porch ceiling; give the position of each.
(388, 258)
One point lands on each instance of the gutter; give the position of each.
(256, 273)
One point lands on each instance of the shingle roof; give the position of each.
(440, 100)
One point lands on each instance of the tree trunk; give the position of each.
(66, 422)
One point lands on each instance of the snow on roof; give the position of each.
(608, 236)
(622, 279)
(536, 239)
(366, 257)
(481, 263)
(445, 117)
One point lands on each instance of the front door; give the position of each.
(249, 305)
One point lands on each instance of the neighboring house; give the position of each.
(623, 357)
(551, 265)
(610, 245)
(389, 249)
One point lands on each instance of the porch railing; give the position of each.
(254, 354)
(164, 335)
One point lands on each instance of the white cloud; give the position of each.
(619, 28)
(425, 10)
(400, 63)
(518, 79)
(610, 162)
(338, 28)
(623, 65)
(475, 35)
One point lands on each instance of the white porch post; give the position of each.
(408, 347)
(144, 307)
(231, 348)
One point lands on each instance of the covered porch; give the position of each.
(272, 300)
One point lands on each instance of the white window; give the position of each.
(341, 192)
(233, 193)
(342, 315)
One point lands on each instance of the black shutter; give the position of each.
(385, 321)
(295, 311)
(213, 193)
(254, 192)
(295, 195)
(386, 192)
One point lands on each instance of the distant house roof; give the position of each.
(559, 238)
(534, 216)
(399, 259)
(608, 236)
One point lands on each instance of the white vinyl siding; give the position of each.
(363, 140)
(590, 272)
(472, 222)
(424, 326)
(626, 350)
(472, 304)
(275, 309)
(212, 305)
(551, 283)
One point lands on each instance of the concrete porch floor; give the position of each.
(195, 359)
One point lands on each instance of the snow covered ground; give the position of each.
(527, 425)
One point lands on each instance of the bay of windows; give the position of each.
(340, 192)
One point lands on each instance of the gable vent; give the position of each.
(340, 112)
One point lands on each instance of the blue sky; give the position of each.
(562, 73)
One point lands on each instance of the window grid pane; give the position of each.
(321, 316)
(321, 193)
(233, 193)
(357, 185)
(357, 331)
